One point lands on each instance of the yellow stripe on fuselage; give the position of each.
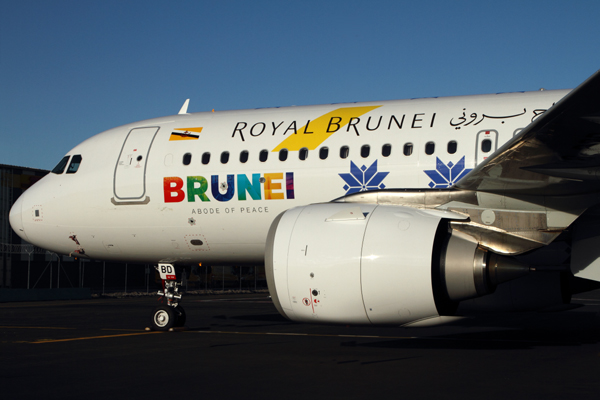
(317, 131)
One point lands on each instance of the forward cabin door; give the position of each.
(130, 171)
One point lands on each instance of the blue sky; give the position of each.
(71, 69)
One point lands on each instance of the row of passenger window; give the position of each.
(365, 151)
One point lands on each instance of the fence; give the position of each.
(49, 270)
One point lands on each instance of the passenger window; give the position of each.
(386, 150)
(74, 165)
(283, 153)
(224, 157)
(187, 158)
(486, 145)
(263, 155)
(344, 152)
(429, 148)
(323, 153)
(205, 158)
(365, 150)
(452, 145)
(303, 154)
(244, 156)
(408, 149)
(60, 167)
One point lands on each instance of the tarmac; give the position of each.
(238, 346)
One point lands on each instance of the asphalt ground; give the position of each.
(237, 346)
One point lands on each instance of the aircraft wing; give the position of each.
(557, 154)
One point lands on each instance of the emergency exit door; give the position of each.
(487, 143)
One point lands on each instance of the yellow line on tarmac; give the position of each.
(93, 337)
(32, 327)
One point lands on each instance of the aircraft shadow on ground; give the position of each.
(496, 340)
(504, 331)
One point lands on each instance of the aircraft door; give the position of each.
(487, 143)
(130, 171)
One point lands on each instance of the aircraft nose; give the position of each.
(15, 218)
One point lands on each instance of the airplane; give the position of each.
(391, 212)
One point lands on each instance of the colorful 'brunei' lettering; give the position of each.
(270, 186)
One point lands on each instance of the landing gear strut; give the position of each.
(172, 314)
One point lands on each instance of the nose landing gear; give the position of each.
(172, 314)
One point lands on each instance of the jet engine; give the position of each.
(376, 264)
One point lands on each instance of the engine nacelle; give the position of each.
(375, 264)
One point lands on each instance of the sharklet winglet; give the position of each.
(184, 107)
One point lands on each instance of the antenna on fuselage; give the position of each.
(184, 107)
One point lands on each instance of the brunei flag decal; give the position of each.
(186, 134)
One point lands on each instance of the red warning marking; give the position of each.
(306, 301)
(171, 277)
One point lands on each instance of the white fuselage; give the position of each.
(134, 198)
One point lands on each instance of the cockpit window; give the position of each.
(74, 165)
(60, 167)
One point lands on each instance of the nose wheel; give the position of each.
(170, 315)
(167, 317)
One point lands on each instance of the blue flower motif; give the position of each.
(363, 179)
(446, 175)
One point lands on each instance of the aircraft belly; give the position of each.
(153, 245)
